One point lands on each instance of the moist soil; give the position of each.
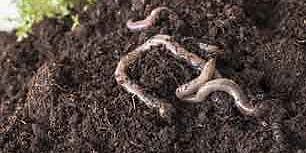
(62, 82)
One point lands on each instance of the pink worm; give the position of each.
(132, 87)
(148, 22)
(201, 86)
(208, 71)
(230, 87)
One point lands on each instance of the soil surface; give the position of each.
(58, 91)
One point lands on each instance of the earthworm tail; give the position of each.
(148, 22)
(228, 86)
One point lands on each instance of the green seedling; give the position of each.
(34, 11)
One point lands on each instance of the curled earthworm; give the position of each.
(132, 87)
(208, 72)
(149, 21)
(193, 86)
(228, 86)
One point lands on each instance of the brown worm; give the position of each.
(149, 21)
(228, 86)
(132, 87)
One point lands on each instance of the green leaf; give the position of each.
(34, 11)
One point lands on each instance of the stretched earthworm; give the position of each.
(149, 21)
(228, 86)
(132, 87)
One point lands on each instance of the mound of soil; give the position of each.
(60, 83)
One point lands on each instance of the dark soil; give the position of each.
(64, 80)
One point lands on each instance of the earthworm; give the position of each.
(228, 86)
(189, 89)
(193, 86)
(148, 22)
(132, 87)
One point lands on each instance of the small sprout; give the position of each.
(34, 11)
